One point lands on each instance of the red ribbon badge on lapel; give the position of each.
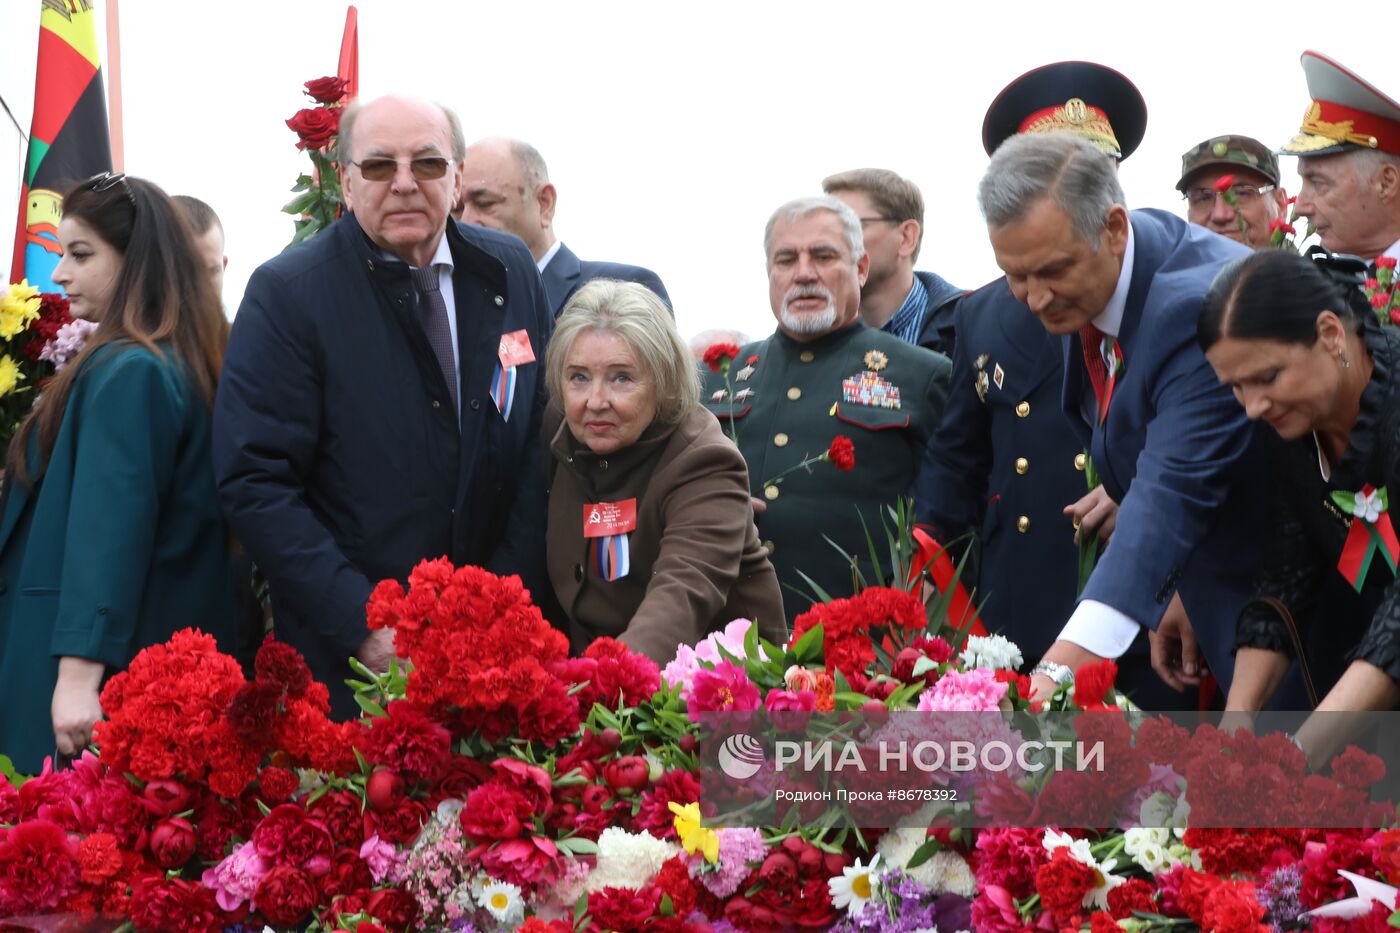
(931, 556)
(1371, 531)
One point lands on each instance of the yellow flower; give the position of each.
(19, 304)
(694, 837)
(10, 376)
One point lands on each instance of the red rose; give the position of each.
(327, 90)
(172, 842)
(628, 774)
(316, 126)
(285, 896)
(718, 356)
(1224, 183)
(396, 909)
(842, 453)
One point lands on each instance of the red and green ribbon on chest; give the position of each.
(1371, 533)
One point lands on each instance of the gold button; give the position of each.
(770, 492)
(780, 440)
(1080, 462)
(807, 356)
(794, 393)
(770, 547)
(1023, 409)
(1022, 465)
(1023, 524)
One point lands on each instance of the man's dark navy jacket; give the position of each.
(339, 456)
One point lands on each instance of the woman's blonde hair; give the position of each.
(639, 317)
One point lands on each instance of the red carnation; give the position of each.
(160, 905)
(623, 908)
(1380, 300)
(1233, 907)
(622, 672)
(551, 716)
(1062, 883)
(752, 359)
(1224, 183)
(408, 742)
(1385, 262)
(1132, 895)
(1092, 683)
(99, 859)
(279, 663)
(327, 90)
(718, 356)
(1357, 768)
(1100, 922)
(38, 868)
(842, 453)
(285, 896)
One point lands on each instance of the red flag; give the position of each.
(349, 68)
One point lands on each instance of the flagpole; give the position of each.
(114, 85)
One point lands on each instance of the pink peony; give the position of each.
(977, 691)
(236, 878)
(688, 661)
(381, 857)
(723, 690)
(784, 701)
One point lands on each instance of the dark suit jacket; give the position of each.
(1002, 465)
(1176, 450)
(118, 546)
(339, 456)
(938, 330)
(566, 273)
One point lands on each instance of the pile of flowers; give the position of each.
(319, 200)
(495, 783)
(37, 338)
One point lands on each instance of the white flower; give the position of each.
(504, 902)
(1367, 508)
(945, 873)
(994, 651)
(855, 886)
(1135, 840)
(1165, 811)
(448, 810)
(628, 861)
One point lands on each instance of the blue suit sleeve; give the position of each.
(1194, 440)
(266, 429)
(128, 423)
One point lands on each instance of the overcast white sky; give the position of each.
(673, 130)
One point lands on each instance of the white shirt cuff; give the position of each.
(1098, 627)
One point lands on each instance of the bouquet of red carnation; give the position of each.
(848, 626)
(476, 642)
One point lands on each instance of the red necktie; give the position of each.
(1092, 339)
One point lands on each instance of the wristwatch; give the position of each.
(1059, 674)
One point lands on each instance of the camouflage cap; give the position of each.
(1229, 152)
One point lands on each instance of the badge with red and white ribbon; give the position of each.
(1371, 531)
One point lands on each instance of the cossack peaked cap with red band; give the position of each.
(1346, 112)
(1087, 98)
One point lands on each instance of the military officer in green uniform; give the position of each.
(823, 374)
(1255, 197)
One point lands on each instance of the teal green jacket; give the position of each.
(119, 544)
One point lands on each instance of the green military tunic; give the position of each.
(786, 401)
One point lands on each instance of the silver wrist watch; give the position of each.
(1060, 674)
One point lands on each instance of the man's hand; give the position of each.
(376, 650)
(1096, 512)
(759, 506)
(1061, 652)
(75, 708)
(1175, 657)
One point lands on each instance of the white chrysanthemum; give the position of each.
(994, 651)
(502, 899)
(945, 873)
(855, 886)
(1136, 839)
(626, 860)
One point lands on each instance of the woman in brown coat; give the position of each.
(651, 537)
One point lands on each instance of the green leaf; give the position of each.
(7, 770)
(809, 646)
(300, 204)
(581, 846)
(667, 908)
(870, 547)
(822, 596)
(924, 852)
(370, 707)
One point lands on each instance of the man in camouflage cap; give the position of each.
(1259, 198)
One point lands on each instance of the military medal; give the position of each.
(868, 388)
(718, 395)
(980, 383)
(743, 374)
(876, 361)
(743, 395)
(998, 375)
(981, 361)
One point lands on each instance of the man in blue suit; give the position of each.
(507, 188)
(1172, 446)
(381, 398)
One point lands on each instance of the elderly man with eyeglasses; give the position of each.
(381, 398)
(1231, 185)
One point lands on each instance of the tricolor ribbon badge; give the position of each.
(1113, 358)
(503, 389)
(1371, 531)
(611, 557)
